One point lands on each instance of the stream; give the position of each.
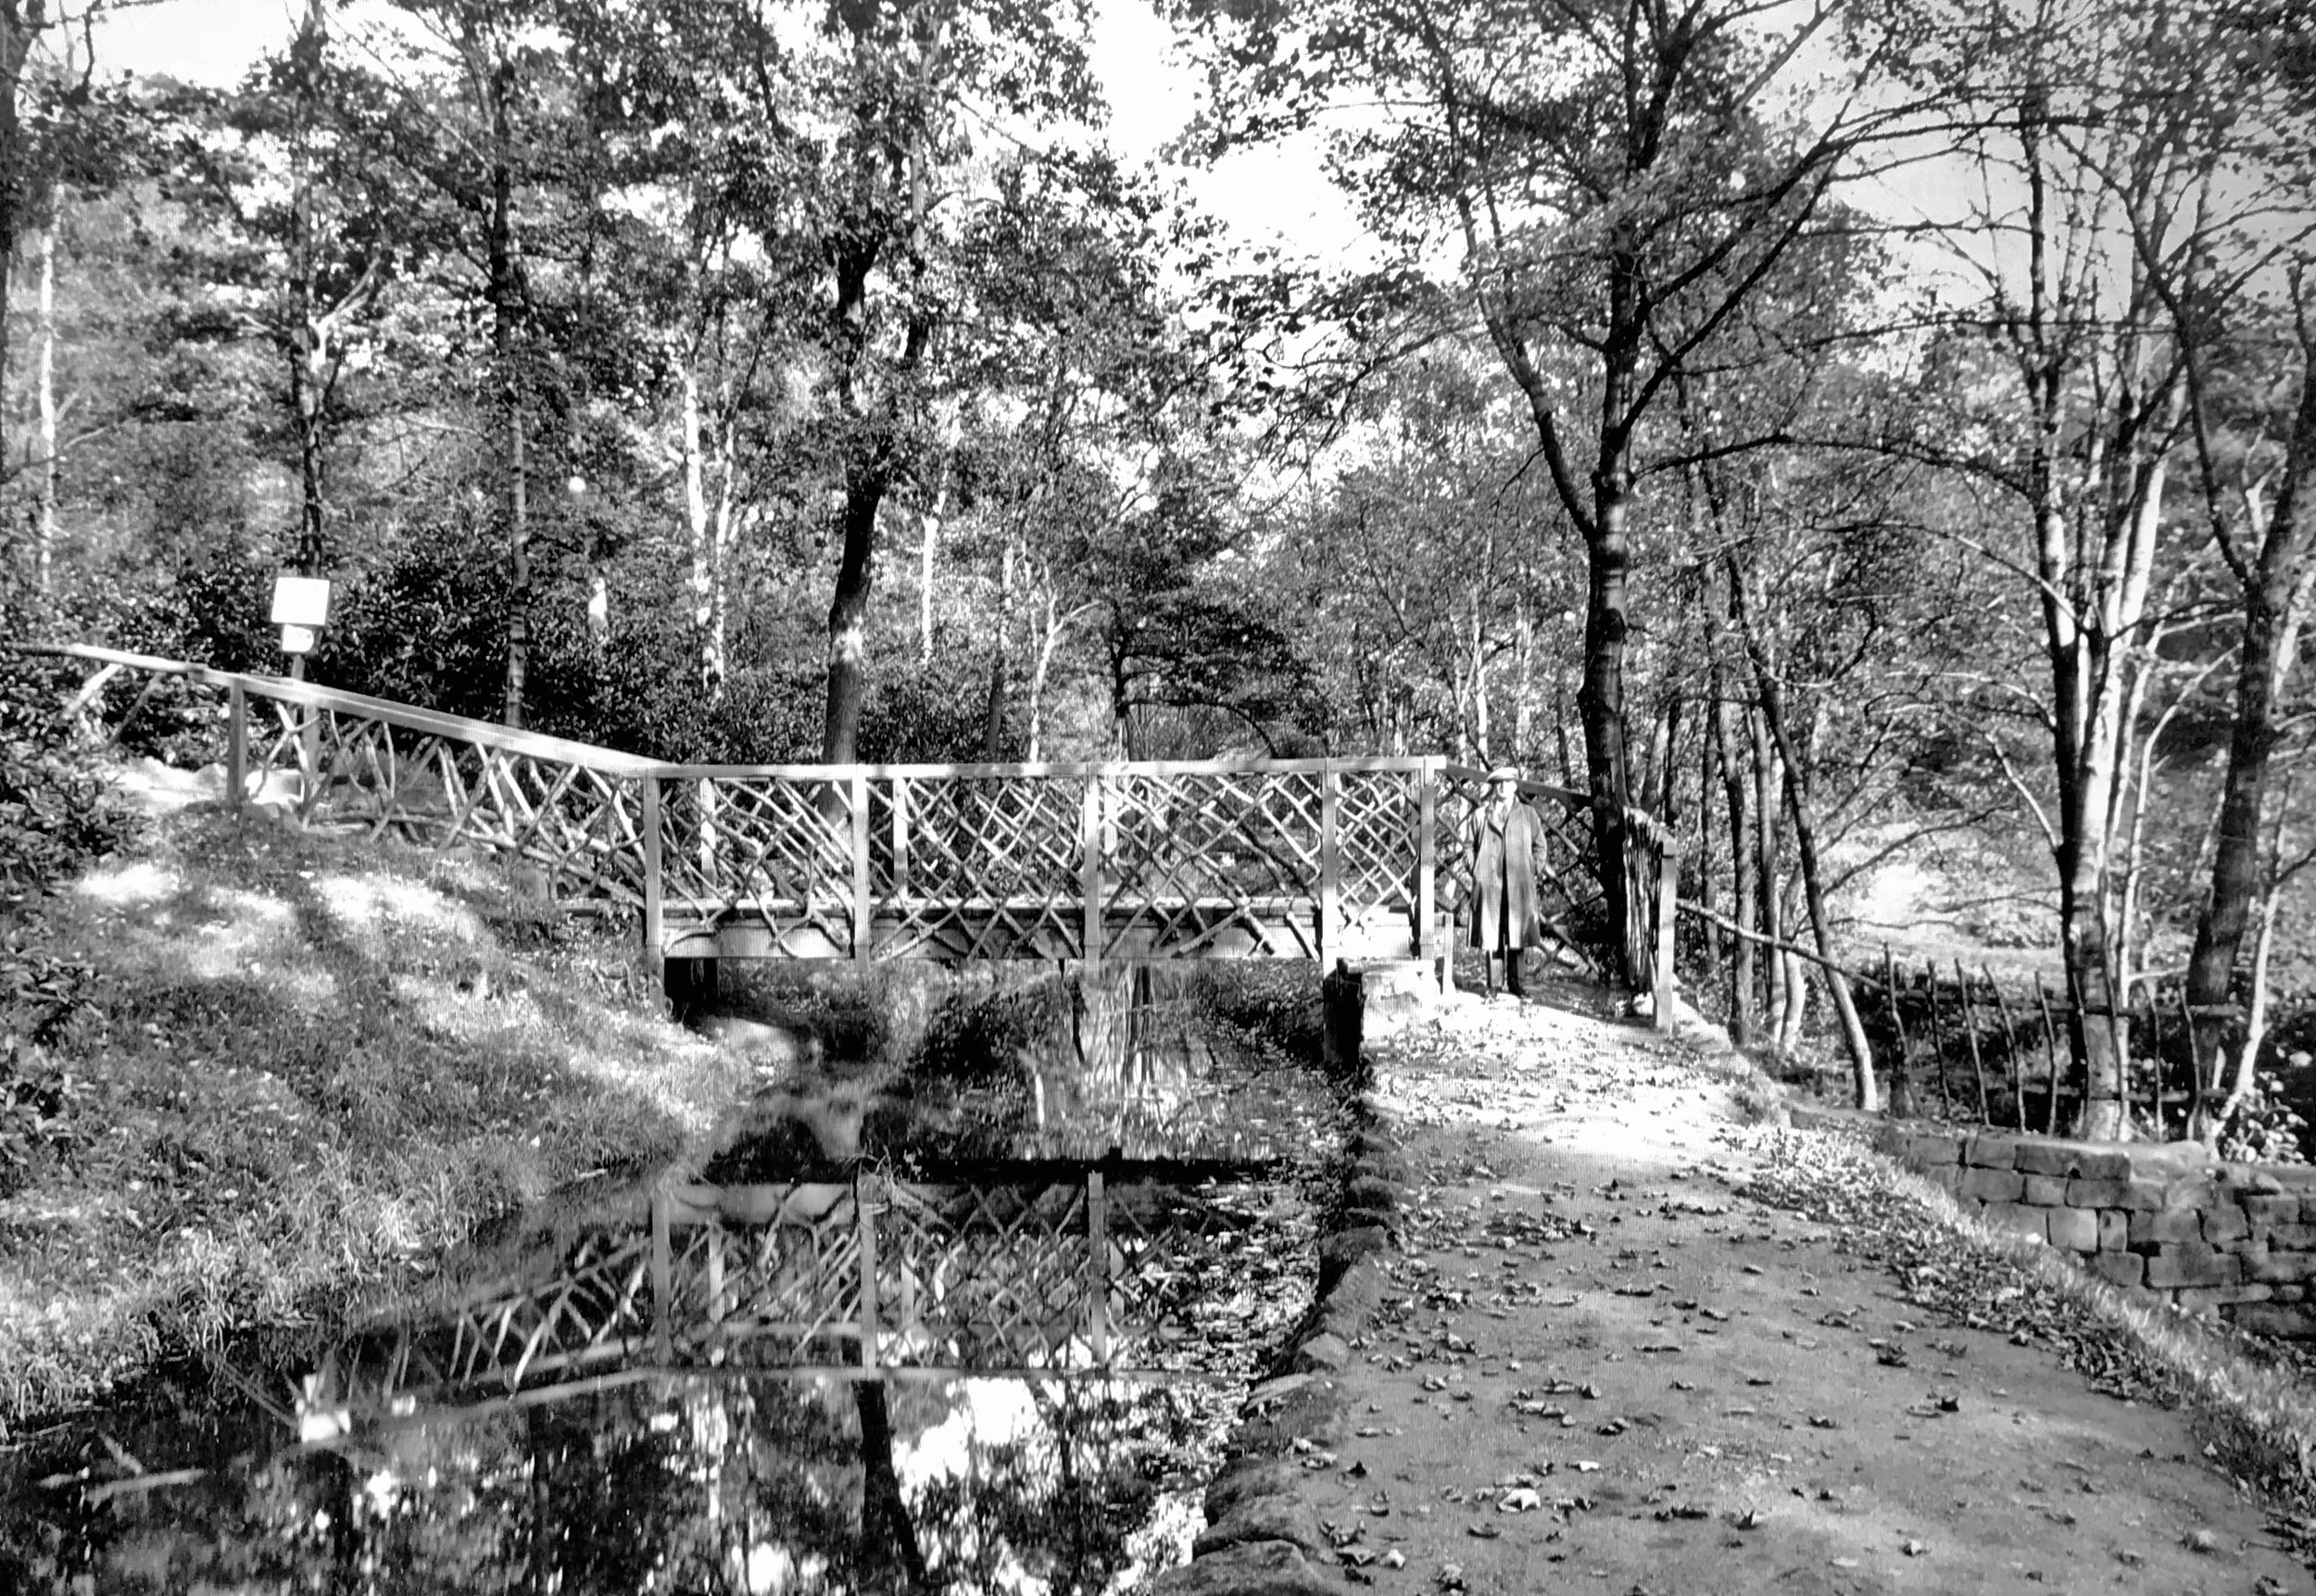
(973, 1319)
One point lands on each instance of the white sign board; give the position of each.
(298, 639)
(300, 600)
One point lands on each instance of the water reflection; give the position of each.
(1072, 1183)
(692, 1484)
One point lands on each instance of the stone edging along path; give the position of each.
(1260, 1535)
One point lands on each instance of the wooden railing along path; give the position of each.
(1316, 859)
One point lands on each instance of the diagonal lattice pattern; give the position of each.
(978, 867)
(771, 851)
(1187, 860)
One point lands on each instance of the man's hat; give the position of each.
(1505, 774)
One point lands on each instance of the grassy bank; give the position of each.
(265, 1077)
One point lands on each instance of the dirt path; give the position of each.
(1600, 1367)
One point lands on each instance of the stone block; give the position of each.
(2183, 1263)
(2175, 1224)
(2295, 1238)
(1946, 1177)
(2017, 1216)
(1985, 1150)
(1246, 1479)
(2271, 1208)
(2267, 1265)
(2074, 1160)
(2205, 1298)
(2286, 1321)
(1325, 1353)
(2118, 1268)
(1930, 1149)
(1285, 1518)
(2144, 1194)
(2088, 1191)
(2076, 1229)
(1273, 1568)
(2192, 1192)
(2045, 1191)
(2114, 1230)
(2225, 1223)
(2168, 1160)
(1991, 1184)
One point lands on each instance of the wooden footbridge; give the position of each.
(1329, 859)
(1028, 1270)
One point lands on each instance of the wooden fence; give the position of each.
(1966, 1046)
(1313, 859)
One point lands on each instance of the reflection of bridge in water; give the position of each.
(1034, 1269)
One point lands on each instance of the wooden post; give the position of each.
(1089, 870)
(1901, 1083)
(1428, 864)
(1668, 915)
(236, 748)
(900, 836)
(867, 1194)
(1098, 1240)
(862, 932)
(654, 883)
(1978, 1060)
(715, 1271)
(1938, 1035)
(1330, 861)
(2050, 1057)
(662, 1281)
(2011, 1051)
(2194, 1064)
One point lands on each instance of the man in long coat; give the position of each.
(1505, 840)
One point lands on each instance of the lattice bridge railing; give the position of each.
(1326, 859)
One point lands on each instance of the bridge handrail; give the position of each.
(311, 696)
(633, 805)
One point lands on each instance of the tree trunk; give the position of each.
(1744, 975)
(20, 20)
(698, 525)
(1770, 692)
(2267, 644)
(308, 351)
(44, 523)
(505, 288)
(1600, 702)
(848, 612)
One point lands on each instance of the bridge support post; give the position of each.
(868, 1194)
(236, 748)
(1098, 1270)
(1342, 1023)
(654, 909)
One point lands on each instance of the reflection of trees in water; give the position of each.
(684, 1485)
(1121, 1056)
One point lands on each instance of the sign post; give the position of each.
(301, 606)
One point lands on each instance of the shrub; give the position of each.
(2264, 1128)
(54, 814)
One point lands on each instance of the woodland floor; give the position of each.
(1632, 1344)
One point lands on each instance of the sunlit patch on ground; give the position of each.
(133, 883)
(383, 903)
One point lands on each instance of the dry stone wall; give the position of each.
(2163, 1219)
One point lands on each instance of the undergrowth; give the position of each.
(256, 1078)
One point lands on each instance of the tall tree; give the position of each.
(1618, 180)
